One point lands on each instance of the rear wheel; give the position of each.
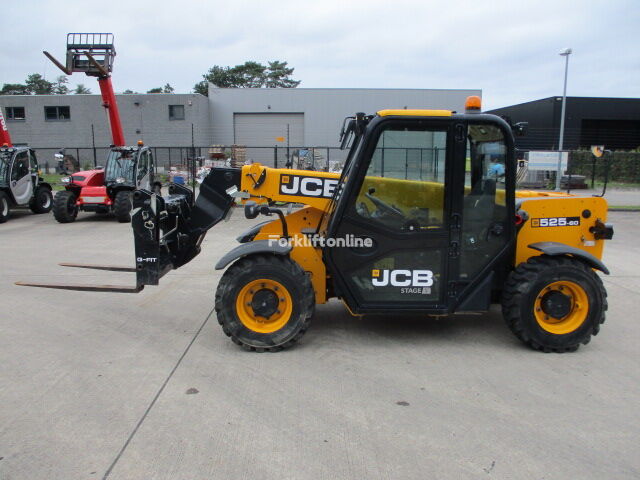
(4, 207)
(554, 304)
(265, 302)
(42, 200)
(122, 206)
(65, 209)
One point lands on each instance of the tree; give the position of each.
(59, 86)
(248, 75)
(202, 88)
(38, 85)
(167, 89)
(155, 90)
(14, 89)
(81, 90)
(128, 92)
(278, 76)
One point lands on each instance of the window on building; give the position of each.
(176, 112)
(14, 113)
(57, 113)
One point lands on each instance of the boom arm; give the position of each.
(5, 138)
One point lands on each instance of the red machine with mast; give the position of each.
(127, 168)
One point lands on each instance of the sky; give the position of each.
(509, 49)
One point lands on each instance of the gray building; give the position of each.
(265, 117)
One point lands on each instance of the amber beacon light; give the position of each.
(473, 104)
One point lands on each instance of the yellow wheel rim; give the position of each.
(264, 305)
(578, 308)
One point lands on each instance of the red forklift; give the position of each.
(20, 182)
(108, 189)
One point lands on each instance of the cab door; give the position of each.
(21, 183)
(397, 201)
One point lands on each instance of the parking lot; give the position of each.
(147, 386)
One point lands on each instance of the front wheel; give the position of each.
(42, 200)
(265, 302)
(4, 207)
(122, 206)
(65, 209)
(554, 304)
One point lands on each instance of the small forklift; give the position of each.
(20, 180)
(108, 189)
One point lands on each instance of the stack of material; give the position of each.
(216, 151)
(238, 155)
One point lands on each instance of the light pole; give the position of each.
(565, 53)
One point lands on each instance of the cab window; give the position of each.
(20, 166)
(403, 189)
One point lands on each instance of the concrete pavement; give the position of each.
(148, 387)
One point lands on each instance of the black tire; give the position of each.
(271, 268)
(42, 200)
(65, 209)
(5, 207)
(122, 206)
(524, 296)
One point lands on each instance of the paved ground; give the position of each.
(148, 387)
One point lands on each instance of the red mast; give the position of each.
(5, 138)
(92, 53)
(109, 102)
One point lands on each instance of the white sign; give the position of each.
(547, 160)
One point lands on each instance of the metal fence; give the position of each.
(400, 162)
(315, 158)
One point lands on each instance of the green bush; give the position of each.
(624, 167)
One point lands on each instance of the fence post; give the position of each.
(275, 156)
(327, 168)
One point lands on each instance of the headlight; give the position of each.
(120, 180)
(65, 180)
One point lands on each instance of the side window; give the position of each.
(404, 185)
(20, 166)
(485, 215)
(143, 164)
(33, 163)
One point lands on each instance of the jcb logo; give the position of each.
(402, 278)
(307, 186)
(3, 124)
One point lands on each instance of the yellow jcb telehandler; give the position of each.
(424, 219)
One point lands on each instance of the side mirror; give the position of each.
(520, 129)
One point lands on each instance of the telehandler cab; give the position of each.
(127, 168)
(424, 219)
(20, 182)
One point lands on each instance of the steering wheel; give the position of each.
(363, 210)
(384, 207)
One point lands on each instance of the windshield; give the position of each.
(120, 164)
(344, 176)
(5, 159)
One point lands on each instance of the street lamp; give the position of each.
(565, 53)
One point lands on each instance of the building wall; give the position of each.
(144, 117)
(324, 109)
(614, 122)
